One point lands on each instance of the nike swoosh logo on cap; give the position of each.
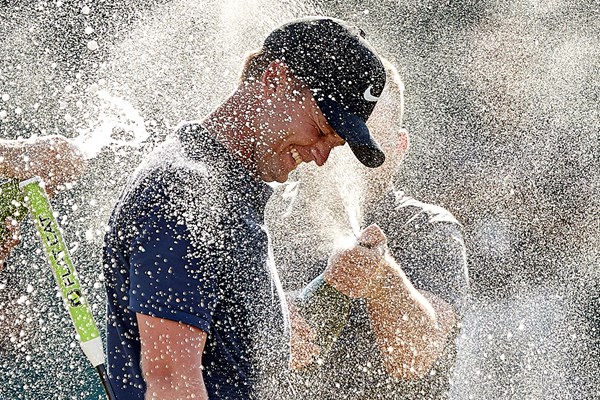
(369, 96)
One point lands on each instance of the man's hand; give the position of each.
(12, 239)
(303, 350)
(355, 271)
(55, 159)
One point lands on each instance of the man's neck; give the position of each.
(233, 126)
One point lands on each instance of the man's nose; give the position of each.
(320, 154)
(321, 149)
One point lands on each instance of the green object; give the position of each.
(325, 309)
(62, 267)
(66, 277)
(12, 204)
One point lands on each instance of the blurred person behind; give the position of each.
(400, 339)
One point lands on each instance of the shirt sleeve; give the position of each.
(169, 277)
(435, 260)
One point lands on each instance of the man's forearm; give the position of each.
(53, 158)
(161, 386)
(407, 327)
(12, 160)
(409, 333)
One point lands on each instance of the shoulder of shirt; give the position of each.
(424, 212)
(167, 171)
(193, 125)
(169, 157)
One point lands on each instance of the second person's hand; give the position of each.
(354, 271)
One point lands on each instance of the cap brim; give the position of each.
(354, 131)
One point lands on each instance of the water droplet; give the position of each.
(92, 45)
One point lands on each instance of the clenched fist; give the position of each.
(355, 271)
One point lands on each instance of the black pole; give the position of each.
(104, 378)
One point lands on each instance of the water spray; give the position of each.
(116, 115)
(66, 276)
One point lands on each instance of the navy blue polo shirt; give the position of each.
(187, 243)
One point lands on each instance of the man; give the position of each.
(195, 310)
(53, 158)
(399, 340)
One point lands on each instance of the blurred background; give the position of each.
(502, 102)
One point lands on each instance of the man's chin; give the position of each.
(282, 179)
(279, 176)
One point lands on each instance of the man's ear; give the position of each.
(274, 78)
(403, 143)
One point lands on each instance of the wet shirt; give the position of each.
(187, 243)
(427, 243)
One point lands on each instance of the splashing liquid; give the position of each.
(353, 213)
(119, 124)
(350, 190)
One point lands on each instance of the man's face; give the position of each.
(294, 131)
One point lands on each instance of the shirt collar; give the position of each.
(200, 145)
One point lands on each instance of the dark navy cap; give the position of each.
(342, 70)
